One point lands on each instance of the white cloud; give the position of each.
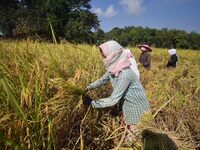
(133, 7)
(109, 12)
(98, 11)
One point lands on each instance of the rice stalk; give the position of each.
(12, 100)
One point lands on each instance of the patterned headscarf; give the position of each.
(116, 58)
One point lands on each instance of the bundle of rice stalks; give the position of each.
(69, 87)
(150, 136)
(153, 137)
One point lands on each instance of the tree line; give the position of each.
(164, 38)
(73, 21)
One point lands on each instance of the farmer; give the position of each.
(145, 57)
(126, 84)
(173, 60)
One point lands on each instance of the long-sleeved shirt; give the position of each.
(126, 87)
(173, 61)
(145, 59)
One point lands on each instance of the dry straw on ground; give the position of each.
(42, 86)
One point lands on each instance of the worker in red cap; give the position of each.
(145, 57)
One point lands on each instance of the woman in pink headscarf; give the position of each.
(127, 88)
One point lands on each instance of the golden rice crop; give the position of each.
(42, 86)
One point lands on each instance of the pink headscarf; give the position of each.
(116, 58)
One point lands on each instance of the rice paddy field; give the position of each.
(41, 91)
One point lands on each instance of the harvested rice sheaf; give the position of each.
(67, 86)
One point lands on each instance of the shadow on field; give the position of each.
(157, 141)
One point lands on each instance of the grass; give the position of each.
(42, 86)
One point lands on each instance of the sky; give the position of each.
(158, 14)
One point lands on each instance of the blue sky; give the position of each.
(171, 14)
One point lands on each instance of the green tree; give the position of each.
(194, 40)
(8, 16)
(98, 37)
(69, 18)
(113, 34)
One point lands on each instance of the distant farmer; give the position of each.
(145, 57)
(126, 84)
(173, 60)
